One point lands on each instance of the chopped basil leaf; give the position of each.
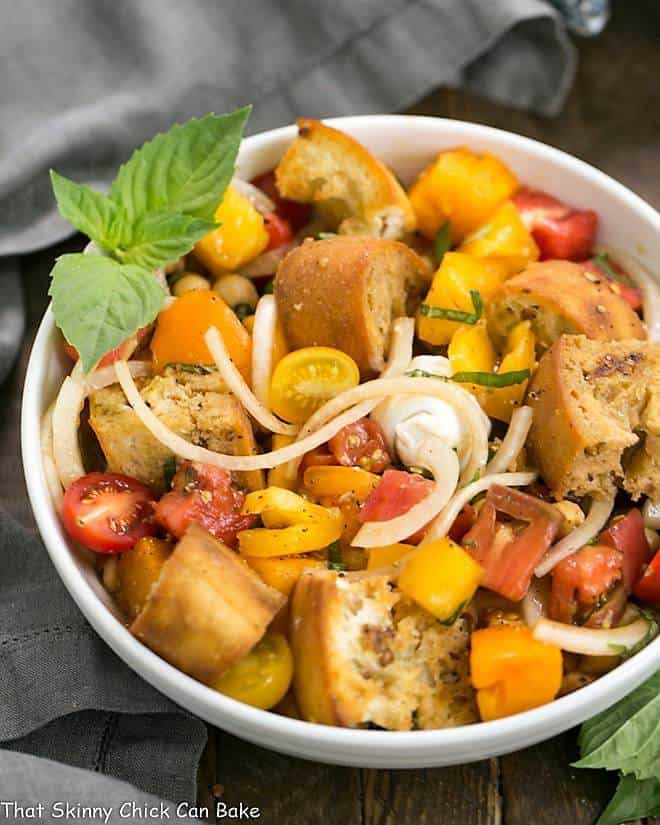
(458, 315)
(442, 243)
(603, 262)
(169, 470)
(270, 287)
(323, 236)
(196, 369)
(492, 379)
(335, 560)
(454, 615)
(243, 310)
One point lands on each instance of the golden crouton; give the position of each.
(596, 421)
(196, 407)
(345, 292)
(354, 191)
(560, 297)
(207, 609)
(365, 654)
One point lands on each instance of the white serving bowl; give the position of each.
(406, 144)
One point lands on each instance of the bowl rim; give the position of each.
(347, 746)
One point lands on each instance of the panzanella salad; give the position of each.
(363, 455)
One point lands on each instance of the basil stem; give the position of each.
(492, 379)
(243, 310)
(196, 369)
(442, 243)
(456, 314)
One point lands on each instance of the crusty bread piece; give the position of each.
(196, 407)
(366, 654)
(596, 421)
(561, 297)
(345, 292)
(207, 608)
(353, 190)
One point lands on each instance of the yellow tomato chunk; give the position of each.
(460, 187)
(179, 335)
(239, 238)
(505, 238)
(441, 577)
(387, 555)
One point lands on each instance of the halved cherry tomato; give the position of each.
(297, 214)
(306, 378)
(122, 352)
(361, 444)
(580, 582)
(108, 512)
(279, 230)
(559, 230)
(509, 552)
(628, 292)
(262, 677)
(648, 587)
(627, 535)
(395, 495)
(204, 494)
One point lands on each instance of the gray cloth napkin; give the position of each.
(83, 83)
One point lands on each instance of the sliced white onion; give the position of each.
(401, 347)
(513, 442)
(47, 459)
(447, 517)
(646, 282)
(263, 336)
(66, 419)
(460, 399)
(192, 452)
(651, 514)
(534, 604)
(437, 456)
(258, 198)
(599, 512)
(591, 641)
(267, 263)
(236, 384)
(106, 376)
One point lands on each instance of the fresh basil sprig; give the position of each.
(603, 262)
(626, 738)
(161, 203)
(430, 311)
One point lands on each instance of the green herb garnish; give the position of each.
(161, 203)
(169, 470)
(462, 317)
(602, 261)
(323, 236)
(196, 369)
(270, 287)
(625, 738)
(454, 615)
(492, 379)
(335, 558)
(243, 310)
(442, 243)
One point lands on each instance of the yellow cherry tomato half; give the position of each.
(306, 378)
(262, 677)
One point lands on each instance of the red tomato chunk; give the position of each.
(559, 230)
(204, 494)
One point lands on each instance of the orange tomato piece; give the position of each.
(179, 335)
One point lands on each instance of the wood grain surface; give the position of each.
(611, 119)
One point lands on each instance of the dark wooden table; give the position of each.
(612, 120)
